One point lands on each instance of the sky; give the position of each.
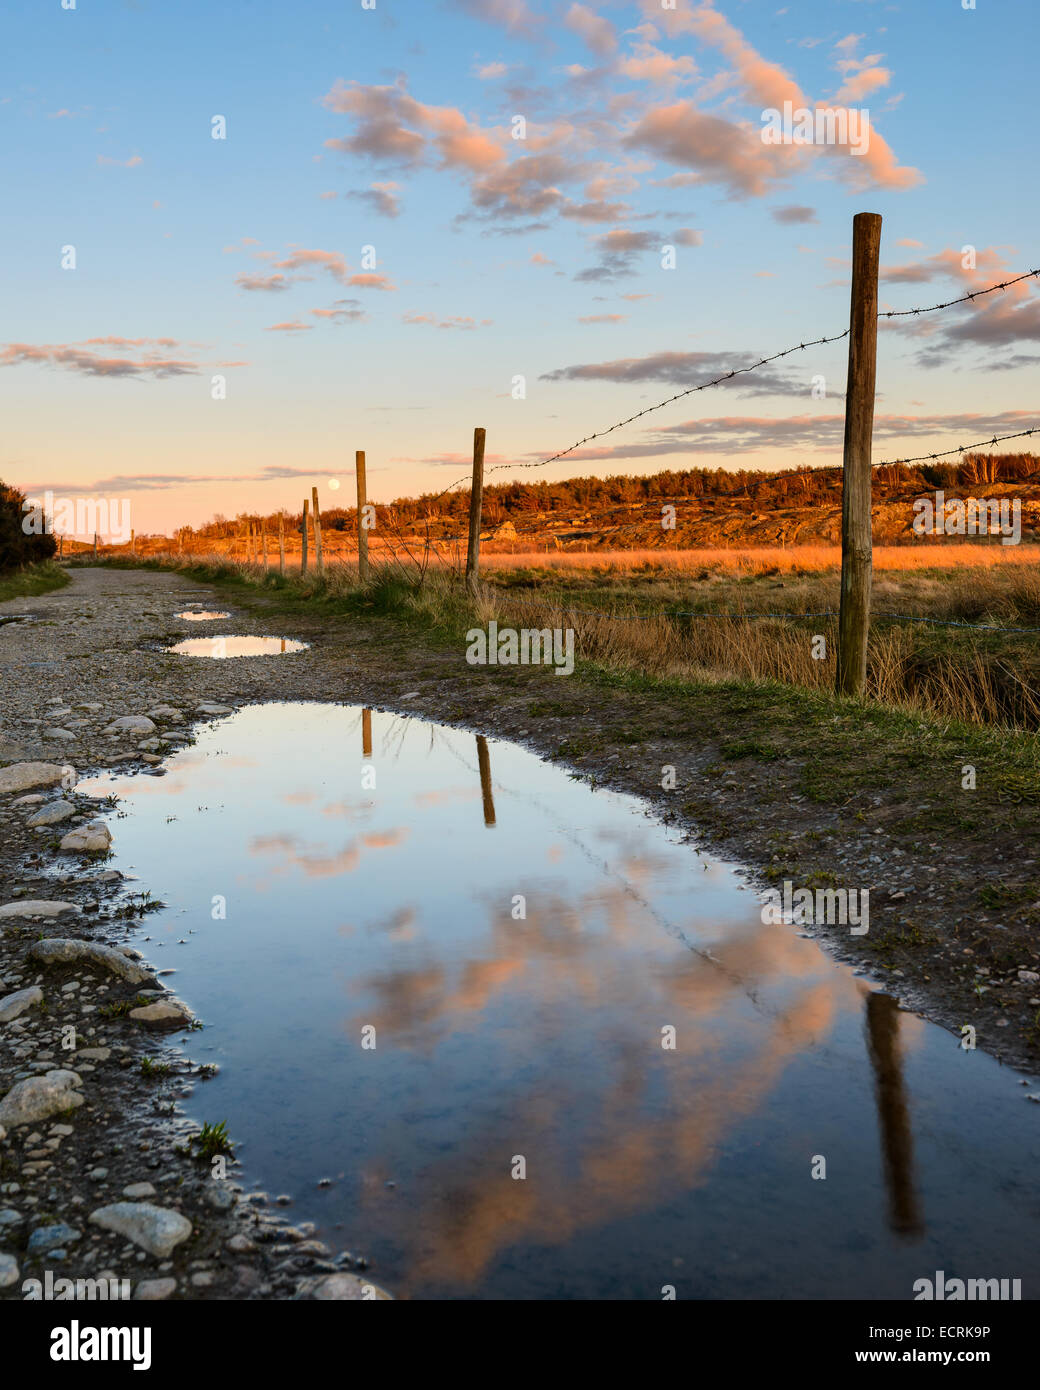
(534, 216)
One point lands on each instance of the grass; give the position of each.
(33, 580)
(975, 677)
(211, 1140)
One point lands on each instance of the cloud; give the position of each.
(515, 16)
(717, 150)
(247, 281)
(794, 213)
(392, 127)
(342, 311)
(371, 282)
(380, 197)
(292, 326)
(603, 318)
(77, 357)
(302, 259)
(689, 369)
(163, 482)
(597, 32)
(617, 251)
(130, 163)
(489, 71)
(688, 236)
(463, 323)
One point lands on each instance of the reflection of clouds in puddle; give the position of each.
(225, 648)
(313, 861)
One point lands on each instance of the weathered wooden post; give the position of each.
(263, 539)
(362, 502)
(133, 542)
(856, 540)
(95, 546)
(303, 542)
(476, 499)
(319, 558)
(366, 733)
(281, 542)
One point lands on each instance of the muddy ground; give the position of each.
(954, 908)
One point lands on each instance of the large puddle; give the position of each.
(506, 1044)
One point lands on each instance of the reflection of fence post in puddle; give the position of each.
(897, 1143)
(366, 733)
(484, 760)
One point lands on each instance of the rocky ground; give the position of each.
(97, 1174)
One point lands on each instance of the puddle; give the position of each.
(6, 618)
(221, 648)
(200, 616)
(315, 906)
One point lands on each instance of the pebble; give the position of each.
(51, 1238)
(8, 1271)
(39, 1097)
(154, 1290)
(53, 814)
(14, 1004)
(94, 838)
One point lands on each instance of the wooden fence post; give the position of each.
(281, 543)
(263, 539)
(303, 540)
(476, 499)
(366, 733)
(319, 558)
(856, 540)
(133, 542)
(362, 502)
(95, 545)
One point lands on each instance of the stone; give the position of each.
(46, 1238)
(8, 1271)
(131, 724)
(59, 735)
(154, 1290)
(206, 708)
(58, 950)
(15, 1004)
(39, 1097)
(10, 1219)
(53, 814)
(19, 777)
(155, 1229)
(94, 838)
(166, 712)
(338, 1288)
(36, 907)
(137, 1190)
(94, 1054)
(171, 1013)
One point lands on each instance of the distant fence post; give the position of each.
(366, 733)
(362, 502)
(95, 545)
(281, 543)
(303, 542)
(476, 498)
(319, 558)
(856, 540)
(263, 540)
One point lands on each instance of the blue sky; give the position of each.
(495, 257)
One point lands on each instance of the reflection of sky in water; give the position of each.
(541, 1037)
(200, 615)
(221, 648)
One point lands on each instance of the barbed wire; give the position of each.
(751, 367)
(964, 299)
(961, 448)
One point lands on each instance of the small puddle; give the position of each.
(430, 962)
(222, 648)
(201, 616)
